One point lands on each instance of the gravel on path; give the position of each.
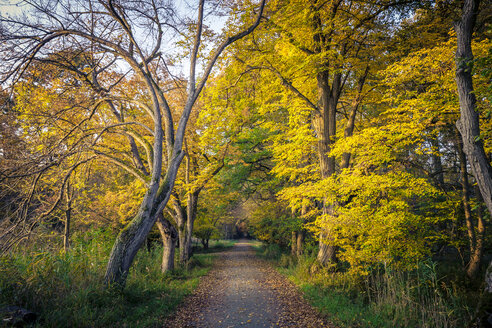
(242, 290)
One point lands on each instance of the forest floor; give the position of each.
(243, 290)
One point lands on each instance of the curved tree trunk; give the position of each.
(135, 233)
(169, 236)
(127, 245)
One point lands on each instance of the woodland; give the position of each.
(353, 138)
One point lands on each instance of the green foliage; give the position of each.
(66, 290)
(426, 296)
(205, 230)
(270, 251)
(272, 224)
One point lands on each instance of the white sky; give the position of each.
(10, 7)
(185, 8)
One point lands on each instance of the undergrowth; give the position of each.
(429, 296)
(67, 290)
(215, 246)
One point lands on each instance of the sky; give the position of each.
(10, 7)
(187, 8)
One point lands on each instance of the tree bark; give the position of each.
(191, 209)
(169, 236)
(205, 243)
(178, 213)
(475, 254)
(300, 242)
(68, 219)
(468, 124)
(134, 234)
(302, 232)
(349, 128)
(293, 243)
(437, 170)
(66, 233)
(325, 125)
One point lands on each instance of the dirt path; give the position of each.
(245, 291)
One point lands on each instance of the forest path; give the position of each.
(242, 290)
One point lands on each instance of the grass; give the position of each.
(214, 246)
(66, 290)
(432, 295)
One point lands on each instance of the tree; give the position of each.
(205, 230)
(319, 52)
(50, 154)
(169, 236)
(203, 161)
(420, 87)
(116, 35)
(468, 123)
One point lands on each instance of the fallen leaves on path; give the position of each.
(245, 291)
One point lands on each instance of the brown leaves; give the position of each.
(244, 291)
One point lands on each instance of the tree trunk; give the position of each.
(68, 218)
(325, 126)
(205, 243)
(169, 236)
(135, 233)
(349, 128)
(127, 245)
(66, 233)
(180, 217)
(475, 257)
(301, 233)
(300, 243)
(326, 254)
(191, 209)
(488, 278)
(468, 124)
(437, 171)
(293, 244)
(183, 251)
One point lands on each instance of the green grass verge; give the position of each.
(66, 290)
(426, 297)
